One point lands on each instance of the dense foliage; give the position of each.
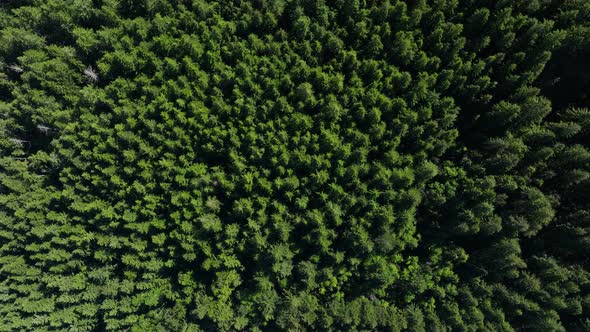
(270, 165)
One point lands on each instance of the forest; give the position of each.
(295, 165)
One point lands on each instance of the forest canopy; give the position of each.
(295, 165)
